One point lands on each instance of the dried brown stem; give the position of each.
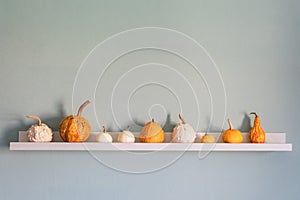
(253, 113)
(37, 118)
(230, 124)
(182, 119)
(82, 107)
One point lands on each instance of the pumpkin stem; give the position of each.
(230, 124)
(82, 107)
(127, 129)
(104, 129)
(37, 118)
(253, 113)
(152, 120)
(181, 118)
(256, 120)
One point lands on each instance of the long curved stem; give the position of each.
(82, 107)
(37, 118)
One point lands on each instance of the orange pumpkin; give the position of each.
(232, 135)
(257, 133)
(75, 128)
(152, 133)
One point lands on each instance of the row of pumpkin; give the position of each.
(75, 128)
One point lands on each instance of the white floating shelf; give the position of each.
(274, 142)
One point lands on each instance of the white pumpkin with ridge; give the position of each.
(126, 136)
(183, 132)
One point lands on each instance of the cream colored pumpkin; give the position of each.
(207, 138)
(183, 132)
(126, 136)
(104, 137)
(39, 132)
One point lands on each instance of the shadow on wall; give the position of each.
(11, 133)
(246, 123)
(244, 127)
(168, 126)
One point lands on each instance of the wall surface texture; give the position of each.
(254, 44)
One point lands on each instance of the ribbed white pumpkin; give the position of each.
(104, 137)
(183, 132)
(39, 132)
(126, 136)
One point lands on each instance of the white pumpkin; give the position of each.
(104, 137)
(39, 132)
(126, 136)
(183, 132)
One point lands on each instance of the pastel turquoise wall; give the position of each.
(255, 44)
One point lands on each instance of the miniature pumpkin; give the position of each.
(257, 133)
(232, 135)
(126, 136)
(39, 132)
(104, 137)
(152, 133)
(207, 138)
(183, 132)
(75, 128)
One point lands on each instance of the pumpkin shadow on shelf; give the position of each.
(169, 126)
(22, 124)
(54, 120)
(246, 123)
(138, 126)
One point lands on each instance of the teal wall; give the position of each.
(255, 44)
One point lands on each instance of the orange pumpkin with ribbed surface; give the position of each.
(152, 133)
(75, 128)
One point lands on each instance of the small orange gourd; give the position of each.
(257, 133)
(75, 128)
(152, 133)
(232, 135)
